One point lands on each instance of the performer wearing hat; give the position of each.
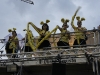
(27, 47)
(80, 34)
(12, 45)
(43, 32)
(65, 36)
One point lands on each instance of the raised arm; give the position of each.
(72, 21)
(34, 26)
(38, 28)
(59, 28)
(48, 33)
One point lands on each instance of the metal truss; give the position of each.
(2, 40)
(53, 54)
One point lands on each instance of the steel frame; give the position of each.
(52, 54)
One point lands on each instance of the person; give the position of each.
(12, 45)
(43, 32)
(27, 47)
(65, 35)
(80, 32)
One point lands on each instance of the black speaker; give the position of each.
(58, 69)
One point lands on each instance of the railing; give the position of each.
(51, 54)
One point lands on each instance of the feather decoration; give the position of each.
(78, 18)
(41, 22)
(82, 19)
(14, 29)
(47, 21)
(67, 20)
(63, 20)
(9, 30)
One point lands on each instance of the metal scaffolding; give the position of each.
(52, 54)
(89, 54)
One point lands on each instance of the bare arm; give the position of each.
(35, 27)
(59, 28)
(38, 29)
(72, 22)
(50, 35)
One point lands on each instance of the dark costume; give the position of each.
(64, 39)
(43, 33)
(45, 43)
(80, 36)
(11, 46)
(27, 47)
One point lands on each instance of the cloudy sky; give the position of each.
(16, 13)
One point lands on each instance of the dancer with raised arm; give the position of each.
(44, 31)
(80, 34)
(65, 35)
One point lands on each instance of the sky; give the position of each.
(16, 14)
